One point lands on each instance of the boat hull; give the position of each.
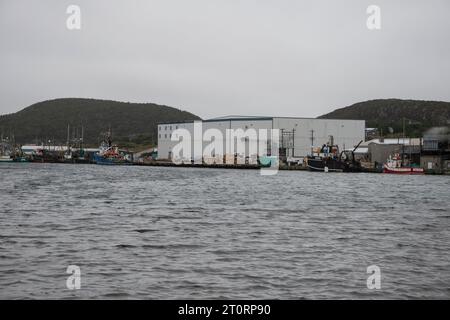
(6, 159)
(402, 170)
(110, 161)
(330, 165)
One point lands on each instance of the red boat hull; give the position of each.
(402, 170)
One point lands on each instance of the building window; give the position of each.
(159, 128)
(160, 135)
(176, 127)
(165, 136)
(170, 136)
(170, 128)
(165, 128)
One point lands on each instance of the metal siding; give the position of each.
(345, 132)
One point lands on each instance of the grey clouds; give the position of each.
(220, 57)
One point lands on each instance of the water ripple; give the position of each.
(173, 233)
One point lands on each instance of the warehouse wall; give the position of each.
(346, 133)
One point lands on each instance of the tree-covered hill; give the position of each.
(132, 124)
(389, 113)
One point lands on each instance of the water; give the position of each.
(160, 233)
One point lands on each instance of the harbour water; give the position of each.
(162, 232)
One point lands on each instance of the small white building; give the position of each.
(297, 135)
(379, 150)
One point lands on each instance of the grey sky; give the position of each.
(220, 57)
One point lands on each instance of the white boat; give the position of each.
(395, 165)
(6, 159)
(5, 150)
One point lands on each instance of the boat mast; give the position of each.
(82, 137)
(403, 143)
(68, 134)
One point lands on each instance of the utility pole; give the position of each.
(293, 142)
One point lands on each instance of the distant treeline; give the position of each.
(135, 124)
(389, 115)
(132, 124)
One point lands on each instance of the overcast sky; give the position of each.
(223, 57)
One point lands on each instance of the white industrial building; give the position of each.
(297, 135)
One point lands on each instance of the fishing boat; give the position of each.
(21, 159)
(75, 152)
(328, 159)
(109, 154)
(395, 165)
(4, 159)
(19, 155)
(6, 151)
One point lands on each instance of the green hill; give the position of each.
(132, 124)
(389, 113)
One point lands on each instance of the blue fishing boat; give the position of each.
(109, 154)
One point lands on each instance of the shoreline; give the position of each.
(209, 166)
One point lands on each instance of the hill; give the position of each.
(389, 113)
(132, 124)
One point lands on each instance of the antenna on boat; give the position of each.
(403, 142)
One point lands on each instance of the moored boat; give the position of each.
(328, 159)
(109, 154)
(111, 158)
(4, 159)
(395, 165)
(6, 151)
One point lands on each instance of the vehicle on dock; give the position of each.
(396, 165)
(328, 159)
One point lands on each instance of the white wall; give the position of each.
(165, 131)
(165, 145)
(346, 133)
